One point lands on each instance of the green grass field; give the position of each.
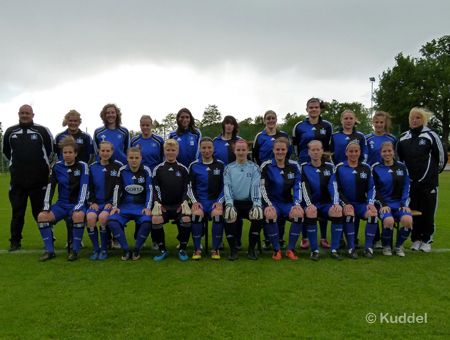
(209, 299)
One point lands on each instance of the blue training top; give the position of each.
(72, 184)
(392, 183)
(223, 149)
(339, 142)
(374, 144)
(102, 181)
(189, 143)
(152, 149)
(281, 185)
(319, 184)
(355, 185)
(262, 148)
(86, 149)
(119, 138)
(134, 188)
(207, 181)
(304, 132)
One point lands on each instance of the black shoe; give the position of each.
(47, 256)
(352, 254)
(15, 246)
(283, 245)
(341, 243)
(335, 254)
(315, 255)
(252, 255)
(220, 246)
(233, 256)
(136, 255)
(368, 253)
(357, 244)
(126, 255)
(73, 256)
(238, 245)
(267, 245)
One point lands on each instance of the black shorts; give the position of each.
(173, 212)
(243, 208)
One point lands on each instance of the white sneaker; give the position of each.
(155, 246)
(116, 245)
(416, 245)
(377, 245)
(387, 251)
(399, 251)
(426, 247)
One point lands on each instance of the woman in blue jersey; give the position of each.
(72, 178)
(103, 178)
(243, 198)
(132, 200)
(357, 196)
(312, 128)
(152, 150)
(151, 145)
(113, 132)
(207, 198)
(281, 193)
(188, 137)
(223, 143)
(392, 183)
(321, 199)
(263, 151)
(339, 142)
(86, 151)
(340, 139)
(382, 124)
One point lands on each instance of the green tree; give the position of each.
(134, 134)
(211, 115)
(289, 122)
(423, 81)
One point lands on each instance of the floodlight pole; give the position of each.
(372, 80)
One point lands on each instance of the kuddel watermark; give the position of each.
(401, 318)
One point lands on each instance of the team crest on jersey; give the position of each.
(363, 175)
(323, 131)
(422, 142)
(141, 180)
(154, 145)
(327, 173)
(249, 174)
(290, 176)
(77, 173)
(217, 172)
(399, 172)
(79, 141)
(178, 174)
(119, 136)
(33, 136)
(113, 173)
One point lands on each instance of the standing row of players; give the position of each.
(188, 136)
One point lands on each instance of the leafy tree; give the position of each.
(211, 115)
(289, 122)
(246, 122)
(423, 81)
(134, 134)
(259, 120)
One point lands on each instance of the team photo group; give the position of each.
(295, 186)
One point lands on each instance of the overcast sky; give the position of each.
(155, 57)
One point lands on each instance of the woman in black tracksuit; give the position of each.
(422, 151)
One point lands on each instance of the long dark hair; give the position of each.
(231, 120)
(191, 126)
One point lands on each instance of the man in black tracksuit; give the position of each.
(422, 151)
(28, 148)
